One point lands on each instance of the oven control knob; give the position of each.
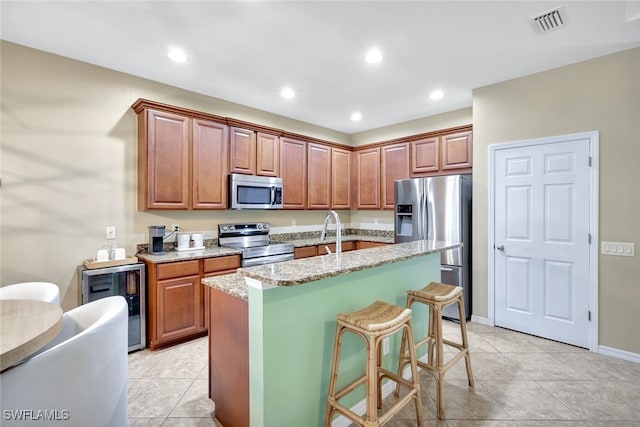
(266, 226)
(259, 226)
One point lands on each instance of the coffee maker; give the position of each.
(156, 239)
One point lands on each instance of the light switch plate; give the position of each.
(111, 232)
(618, 248)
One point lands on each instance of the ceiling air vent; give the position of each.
(549, 20)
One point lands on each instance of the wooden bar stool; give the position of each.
(438, 296)
(373, 323)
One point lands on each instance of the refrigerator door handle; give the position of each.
(421, 218)
(447, 269)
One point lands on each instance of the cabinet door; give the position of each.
(340, 179)
(425, 155)
(293, 161)
(267, 155)
(368, 178)
(318, 176)
(209, 171)
(242, 151)
(457, 151)
(395, 165)
(163, 161)
(179, 308)
(363, 244)
(305, 252)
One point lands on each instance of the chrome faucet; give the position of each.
(323, 236)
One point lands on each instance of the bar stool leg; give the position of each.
(372, 380)
(465, 343)
(440, 360)
(337, 346)
(414, 372)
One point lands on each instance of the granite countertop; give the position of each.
(304, 270)
(174, 256)
(232, 284)
(216, 251)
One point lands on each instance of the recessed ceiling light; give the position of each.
(373, 56)
(436, 94)
(356, 116)
(177, 55)
(287, 93)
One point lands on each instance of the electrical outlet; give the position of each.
(385, 346)
(293, 222)
(175, 227)
(111, 232)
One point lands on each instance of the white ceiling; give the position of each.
(245, 52)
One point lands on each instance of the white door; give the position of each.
(541, 237)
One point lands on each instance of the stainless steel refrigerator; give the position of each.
(439, 208)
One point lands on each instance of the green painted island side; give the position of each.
(292, 331)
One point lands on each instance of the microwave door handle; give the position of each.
(273, 195)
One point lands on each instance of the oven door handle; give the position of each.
(250, 262)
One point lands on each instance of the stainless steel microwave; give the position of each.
(254, 192)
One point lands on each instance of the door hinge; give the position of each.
(589, 160)
(589, 315)
(589, 238)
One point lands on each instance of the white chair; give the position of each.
(41, 291)
(80, 378)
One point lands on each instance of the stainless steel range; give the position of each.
(253, 239)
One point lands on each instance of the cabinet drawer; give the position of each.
(178, 269)
(221, 263)
(305, 252)
(346, 246)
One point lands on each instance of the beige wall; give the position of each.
(601, 94)
(68, 165)
(427, 124)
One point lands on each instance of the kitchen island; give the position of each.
(271, 342)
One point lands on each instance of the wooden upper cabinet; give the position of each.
(340, 179)
(242, 151)
(267, 154)
(367, 178)
(395, 166)
(293, 161)
(425, 155)
(209, 165)
(318, 176)
(163, 160)
(254, 153)
(457, 150)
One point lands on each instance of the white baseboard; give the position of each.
(619, 354)
(480, 320)
(604, 350)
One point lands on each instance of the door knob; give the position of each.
(500, 247)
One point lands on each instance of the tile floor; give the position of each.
(520, 381)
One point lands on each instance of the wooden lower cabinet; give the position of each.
(346, 247)
(305, 252)
(314, 250)
(363, 244)
(229, 358)
(176, 309)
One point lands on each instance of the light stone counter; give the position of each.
(305, 270)
(232, 284)
(175, 256)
